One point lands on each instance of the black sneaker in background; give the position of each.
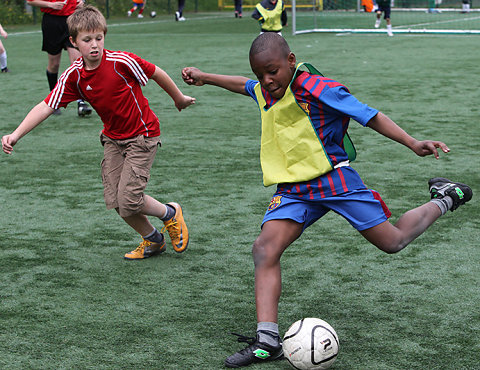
(84, 109)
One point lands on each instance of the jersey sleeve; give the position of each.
(137, 67)
(340, 99)
(250, 88)
(65, 90)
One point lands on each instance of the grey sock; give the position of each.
(268, 333)
(170, 212)
(444, 203)
(155, 236)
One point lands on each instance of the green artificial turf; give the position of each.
(68, 299)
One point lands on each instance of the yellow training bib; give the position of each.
(272, 18)
(290, 149)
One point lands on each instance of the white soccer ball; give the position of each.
(153, 14)
(310, 343)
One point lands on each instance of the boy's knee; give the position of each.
(264, 254)
(129, 205)
(392, 246)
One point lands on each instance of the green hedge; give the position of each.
(14, 11)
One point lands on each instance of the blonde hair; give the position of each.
(87, 18)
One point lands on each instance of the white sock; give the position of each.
(389, 27)
(3, 60)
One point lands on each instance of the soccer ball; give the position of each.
(153, 14)
(310, 344)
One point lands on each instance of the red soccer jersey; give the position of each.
(114, 91)
(67, 9)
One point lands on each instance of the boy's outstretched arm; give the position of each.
(166, 83)
(385, 126)
(37, 115)
(194, 76)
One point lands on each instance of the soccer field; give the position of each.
(68, 299)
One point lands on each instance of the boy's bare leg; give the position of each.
(54, 62)
(172, 216)
(73, 54)
(152, 207)
(153, 240)
(140, 223)
(393, 238)
(275, 237)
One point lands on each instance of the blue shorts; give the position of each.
(362, 208)
(140, 6)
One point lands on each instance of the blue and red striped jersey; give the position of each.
(330, 106)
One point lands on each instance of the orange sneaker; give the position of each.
(177, 229)
(146, 249)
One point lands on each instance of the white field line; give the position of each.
(131, 24)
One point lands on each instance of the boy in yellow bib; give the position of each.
(271, 15)
(305, 151)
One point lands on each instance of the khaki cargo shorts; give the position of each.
(126, 170)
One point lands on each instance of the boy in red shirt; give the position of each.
(111, 81)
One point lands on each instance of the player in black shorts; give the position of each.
(56, 38)
(385, 7)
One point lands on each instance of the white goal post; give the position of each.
(407, 16)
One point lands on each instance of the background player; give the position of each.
(179, 13)
(271, 15)
(56, 38)
(238, 8)
(290, 102)
(3, 52)
(466, 6)
(385, 7)
(368, 5)
(111, 81)
(137, 4)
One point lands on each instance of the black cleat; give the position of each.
(440, 187)
(5, 70)
(255, 352)
(84, 109)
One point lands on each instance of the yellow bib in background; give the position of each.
(272, 19)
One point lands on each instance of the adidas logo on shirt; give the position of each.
(89, 88)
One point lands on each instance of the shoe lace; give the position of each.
(171, 227)
(142, 246)
(244, 339)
